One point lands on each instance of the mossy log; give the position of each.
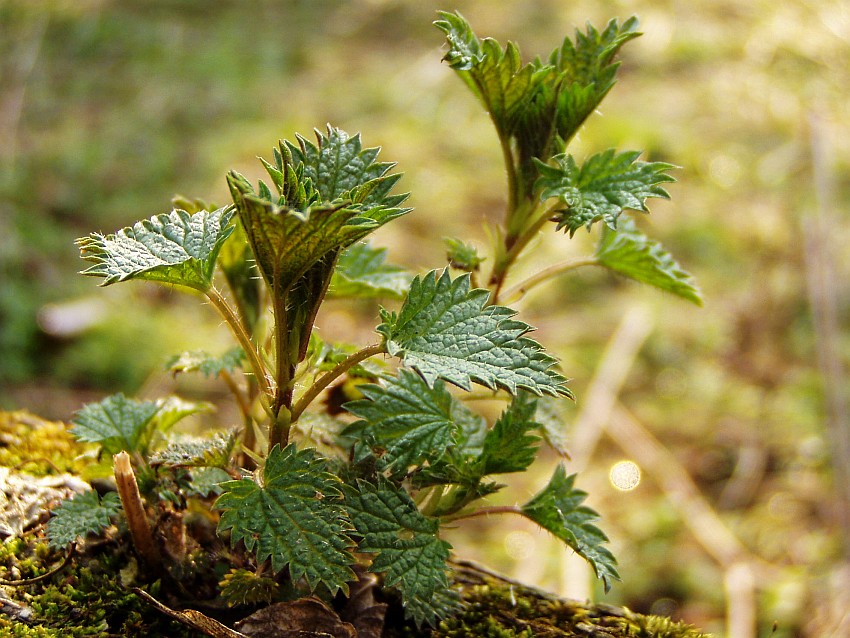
(94, 591)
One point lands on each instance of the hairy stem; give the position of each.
(280, 425)
(510, 169)
(282, 355)
(484, 511)
(244, 339)
(518, 291)
(514, 245)
(338, 370)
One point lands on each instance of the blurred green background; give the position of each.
(109, 108)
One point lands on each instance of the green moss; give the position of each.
(31, 444)
(88, 599)
(494, 608)
(84, 599)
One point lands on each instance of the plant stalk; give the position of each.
(220, 304)
(518, 291)
(338, 370)
(484, 511)
(514, 245)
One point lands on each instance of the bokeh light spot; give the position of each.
(519, 545)
(625, 475)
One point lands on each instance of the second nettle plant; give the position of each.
(316, 498)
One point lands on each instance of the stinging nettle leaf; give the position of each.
(630, 253)
(294, 518)
(509, 446)
(174, 248)
(446, 331)
(558, 509)
(602, 188)
(210, 451)
(331, 195)
(207, 364)
(461, 255)
(117, 423)
(587, 71)
(361, 271)
(497, 76)
(339, 168)
(406, 546)
(406, 418)
(81, 515)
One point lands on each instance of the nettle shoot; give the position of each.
(311, 499)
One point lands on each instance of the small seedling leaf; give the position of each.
(80, 516)
(117, 423)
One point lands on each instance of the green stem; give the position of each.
(513, 187)
(518, 292)
(514, 247)
(280, 425)
(484, 511)
(282, 357)
(238, 329)
(339, 369)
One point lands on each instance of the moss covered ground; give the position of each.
(46, 593)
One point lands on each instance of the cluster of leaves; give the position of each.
(417, 456)
(537, 108)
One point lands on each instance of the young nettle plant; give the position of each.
(316, 498)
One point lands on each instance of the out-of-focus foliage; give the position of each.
(106, 108)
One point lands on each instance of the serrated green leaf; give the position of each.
(339, 168)
(446, 331)
(172, 409)
(496, 75)
(602, 188)
(294, 517)
(174, 248)
(406, 418)
(558, 509)
(461, 255)
(287, 242)
(81, 515)
(361, 272)
(586, 72)
(117, 423)
(207, 364)
(211, 451)
(630, 253)
(552, 424)
(406, 546)
(207, 481)
(509, 446)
